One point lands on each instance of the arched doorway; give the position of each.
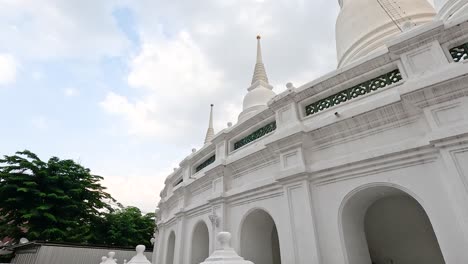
(384, 225)
(170, 249)
(259, 239)
(200, 244)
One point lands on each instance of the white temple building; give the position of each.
(365, 165)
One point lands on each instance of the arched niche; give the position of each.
(385, 225)
(170, 248)
(200, 243)
(259, 238)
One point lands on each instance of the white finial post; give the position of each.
(259, 50)
(210, 131)
(226, 253)
(140, 258)
(224, 240)
(109, 259)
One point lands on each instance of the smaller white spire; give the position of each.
(259, 72)
(210, 131)
(259, 92)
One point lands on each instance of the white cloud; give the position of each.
(40, 122)
(192, 54)
(70, 92)
(8, 67)
(298, 36)
(56, 29)
(138, 115)
(204, 53)
(177, 79)
(195, 53)
(135, 189)
(37, 75)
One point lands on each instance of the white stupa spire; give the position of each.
(259, 72)
(259, 92)
(210, 131)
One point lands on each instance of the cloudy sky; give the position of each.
(124, 86)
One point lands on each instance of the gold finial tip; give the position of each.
(259, 37)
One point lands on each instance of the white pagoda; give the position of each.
(365, 165)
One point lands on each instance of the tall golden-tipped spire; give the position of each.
(210, 131)
(259, 72)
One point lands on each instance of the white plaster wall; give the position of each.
(295, 214)
(438, 4)
(252, 175)
(422, 182)
(201, 194)
(372, 140)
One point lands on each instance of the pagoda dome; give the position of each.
(453, 9)
(364, 26)
(256, 99)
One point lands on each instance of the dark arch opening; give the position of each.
(384, 225)
(200, 244)
(170, 249)
(259, 239)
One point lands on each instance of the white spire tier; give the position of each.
(259, 71)
(260, 91)
(364, 26)
(210, 132)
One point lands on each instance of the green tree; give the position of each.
(57, 200)
(126, 227)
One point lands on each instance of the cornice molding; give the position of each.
(360, 167)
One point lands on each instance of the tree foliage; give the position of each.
(126, 227)
(61, 201)
(57, 200)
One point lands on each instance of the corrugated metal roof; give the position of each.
(25, 258)
(47, 254)
(27, 255)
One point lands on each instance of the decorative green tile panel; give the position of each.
(354, 92)
(205, 163)
(459, 53)
(255, 135)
